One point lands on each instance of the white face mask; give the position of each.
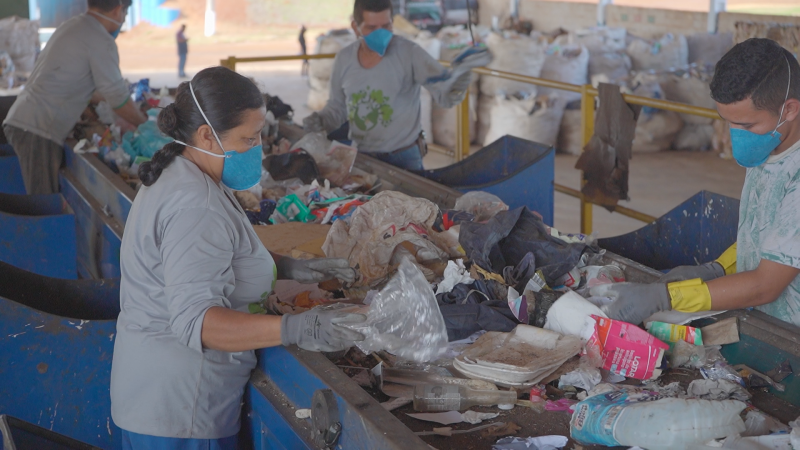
(106, 17)
(114, 33)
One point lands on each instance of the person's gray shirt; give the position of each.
(382, 103)
(187, 247)
(80, 58)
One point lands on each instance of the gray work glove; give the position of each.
(459, 88)
(706, 272)
(313, 123)
(633, 302)
(309, 271)
(319, 329)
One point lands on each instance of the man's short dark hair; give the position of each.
(756, 69)
(370, 5)
(108, 5)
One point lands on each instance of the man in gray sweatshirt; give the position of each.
(80, 63)
(375, 85)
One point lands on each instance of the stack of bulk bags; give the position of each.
(656, 129)
(433, 46)
(454, 40)
(691, 87)
(319, 70)
(516, 53)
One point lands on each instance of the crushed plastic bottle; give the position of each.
(646, 419)
(449, 397)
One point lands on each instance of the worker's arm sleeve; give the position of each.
(782, 241)
(107, 76)
(728, 260)
(334, 114)
(196, 253)
(428, 72)
(689, 296)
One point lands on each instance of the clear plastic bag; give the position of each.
(482, 205)
(404, 319)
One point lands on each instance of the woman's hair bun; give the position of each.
(168, 120)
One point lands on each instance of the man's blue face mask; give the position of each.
(751, 149)
(378, 40)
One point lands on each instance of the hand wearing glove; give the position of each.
(635, 302)
(705, 272)
(455, 81)
(313, 123)
(319, 329)
(724, 265)
(311, 271)
(459, 88)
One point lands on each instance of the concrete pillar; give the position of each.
(714, 8)
(211, 19)
(601, 11)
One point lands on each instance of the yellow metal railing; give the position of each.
(588, 95)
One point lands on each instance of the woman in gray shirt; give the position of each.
(191, 263)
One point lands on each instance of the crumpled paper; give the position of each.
(585, 378)
(721, 389)
(454, 274)
(531, 443)
(390, 227)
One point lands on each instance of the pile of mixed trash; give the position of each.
(482, 306)
(117, 143)
(479, 312)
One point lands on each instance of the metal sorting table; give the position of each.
(56, 336)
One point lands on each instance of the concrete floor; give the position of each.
(658, 181)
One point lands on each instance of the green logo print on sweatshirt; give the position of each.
(368, 108)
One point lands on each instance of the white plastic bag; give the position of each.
(404, 319)
(482, 205)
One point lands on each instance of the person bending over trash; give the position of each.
(756, 87)
(191, 263)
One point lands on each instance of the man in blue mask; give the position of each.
(375, 85)
(80, 63)
(756, 87)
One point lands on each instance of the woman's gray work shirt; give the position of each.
(187, 247)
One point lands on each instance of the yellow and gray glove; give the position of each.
(635, 302)
(724, 265)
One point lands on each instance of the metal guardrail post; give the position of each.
(230, 63)
(587, 125)
(462, 129)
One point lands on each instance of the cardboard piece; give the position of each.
(281, 239)
(604, 161)
(628, 350)
(310, 249)
(726, 331)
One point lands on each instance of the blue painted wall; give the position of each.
(53, 13)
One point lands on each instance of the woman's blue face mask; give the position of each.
(240, 171)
